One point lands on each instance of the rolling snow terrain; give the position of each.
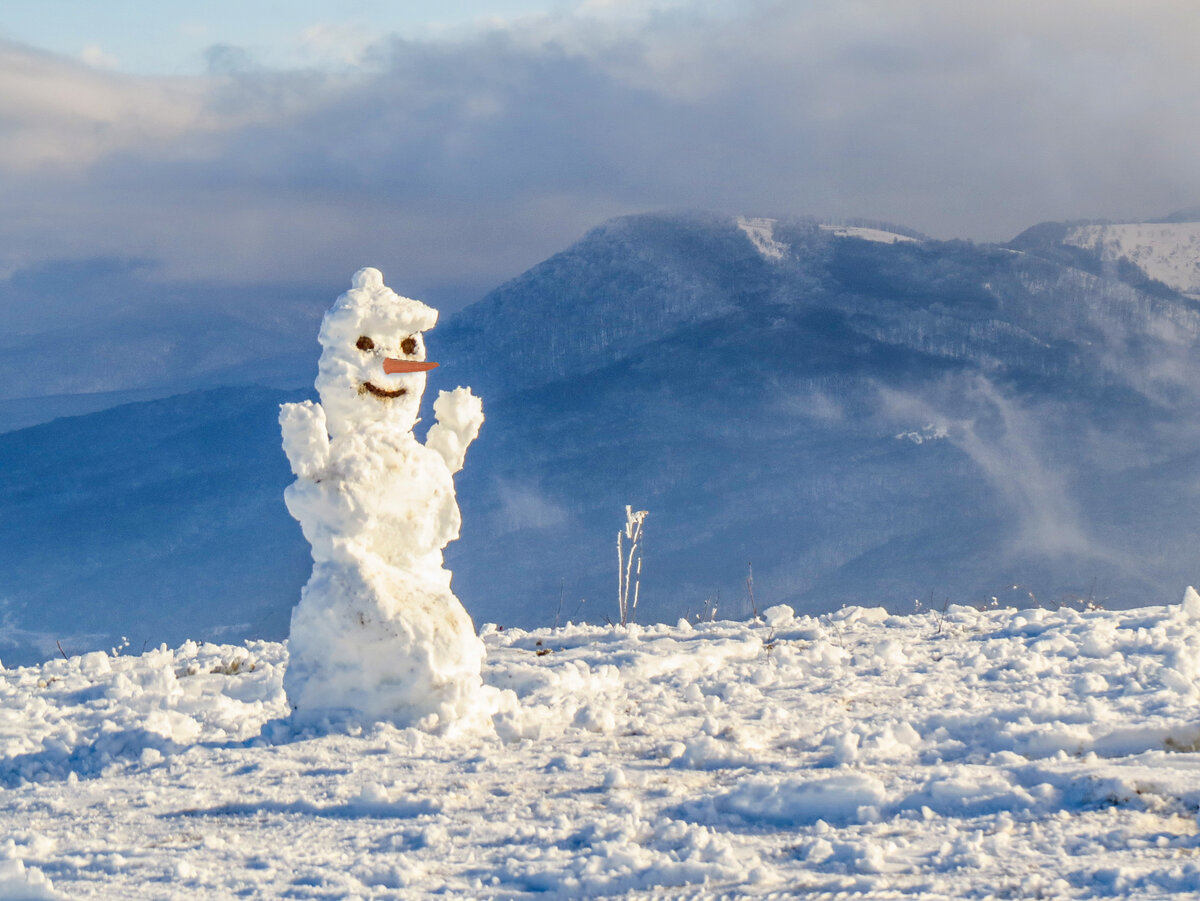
(958, 753)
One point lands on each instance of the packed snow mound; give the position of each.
(1166, 251)
(957, 753)
(378, 634)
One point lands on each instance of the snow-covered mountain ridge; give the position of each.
(950, 754)
(752, 400)
(1166, 251)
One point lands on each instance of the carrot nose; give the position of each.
(390, 365)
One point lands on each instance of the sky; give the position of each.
(290, 143)
(138, 37)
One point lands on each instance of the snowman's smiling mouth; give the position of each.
(392, 365)
(368, 388)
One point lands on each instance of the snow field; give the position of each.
(869, 234)
(998, 753)
(761, 232)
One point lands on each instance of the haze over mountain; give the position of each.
(861, 413)
(77, 337)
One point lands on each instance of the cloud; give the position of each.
(525, 507)
(1009, 457)
(61, 116)
(94, 56)
(457, 162)
(1004, 440)
(336, 44)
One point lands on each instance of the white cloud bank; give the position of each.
(457, 162)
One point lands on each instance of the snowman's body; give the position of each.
(378, 634)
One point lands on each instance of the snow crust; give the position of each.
(761, 233)
(1166, 251)
(964, 753)
(378, 633)
(868, 234)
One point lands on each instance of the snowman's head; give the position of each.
(373, 356)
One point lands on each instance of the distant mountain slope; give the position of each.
(1166, 252)
(858, 419)
(625, 284)
(861, 418)
(157, 521)
(77, 337)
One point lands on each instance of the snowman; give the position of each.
(378, 634)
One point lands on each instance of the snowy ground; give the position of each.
(981, 754)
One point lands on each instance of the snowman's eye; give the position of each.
(365, 343)
(409, 345)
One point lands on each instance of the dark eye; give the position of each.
(409, 345)
(365, 343)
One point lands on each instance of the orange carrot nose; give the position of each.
(391, 365)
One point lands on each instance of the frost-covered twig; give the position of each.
(625, 567)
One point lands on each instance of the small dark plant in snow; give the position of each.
(837, 630)
(750, 589)
(940, 615)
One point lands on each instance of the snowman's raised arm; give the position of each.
(305, 438)
(459, 414)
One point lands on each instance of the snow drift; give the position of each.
(965, 754)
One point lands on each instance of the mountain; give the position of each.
(1155, 255)
(84, 336)
(156, 521)
(850, 412)
(857, 415)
